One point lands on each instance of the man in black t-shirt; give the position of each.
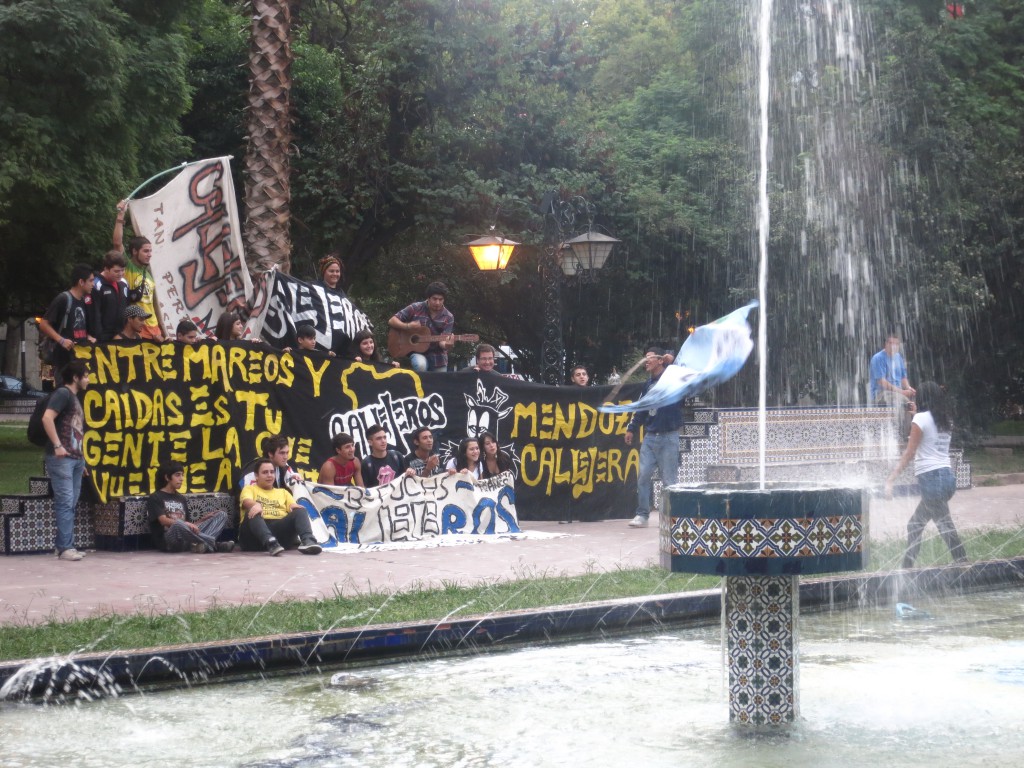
(423, 461)
(168, 524)
(64, 424)
(383, 464)
(69, 319)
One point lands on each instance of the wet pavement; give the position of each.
(37, 588)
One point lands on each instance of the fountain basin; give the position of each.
(783, 529)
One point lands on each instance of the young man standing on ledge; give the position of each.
(660, 446)
(270, 518)
(139, 276)
(64, 424)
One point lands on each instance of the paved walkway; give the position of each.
(35, 588)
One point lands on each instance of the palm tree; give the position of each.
(267, 166)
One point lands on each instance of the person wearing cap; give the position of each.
(660, 444)
(134, 321)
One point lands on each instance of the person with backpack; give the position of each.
(68, 320)
(64, 424)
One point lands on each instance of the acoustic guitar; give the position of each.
(402, 343)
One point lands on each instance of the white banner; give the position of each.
(198, 262)
(411, 509)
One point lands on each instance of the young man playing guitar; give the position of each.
(424, 319)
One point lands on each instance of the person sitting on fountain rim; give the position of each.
(271, 519)
(928, 446)
(889, 384)
(168, 526)
(660, 446)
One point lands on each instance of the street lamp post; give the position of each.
(582, 255)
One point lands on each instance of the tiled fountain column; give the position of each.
(761, 541)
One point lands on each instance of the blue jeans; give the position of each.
(66, 480)
(418, 362)
(662, 451)
(937, 488)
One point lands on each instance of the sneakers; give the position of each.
(71, 554)
(638, 522)
(310, 547)
(274, 548)
(198, 549)
(225, 546)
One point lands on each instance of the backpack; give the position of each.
(36, 433)
(48, 346)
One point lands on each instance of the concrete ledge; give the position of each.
(97, 674)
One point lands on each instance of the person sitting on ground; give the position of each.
(278, 449)
(270, 518)
(928, 447)
(187, 332)
(343, 468)
(467, 459)
(168, 525)
(134, 320)
(579, 376)
(494, 460)
(109, 297)
(229, 327)
(305, 340)
(432, 316)
(365, 350)
(383, 464)
(423, 460)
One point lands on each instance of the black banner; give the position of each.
(210, 405)
(332, 314)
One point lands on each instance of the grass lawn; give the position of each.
(19, 459)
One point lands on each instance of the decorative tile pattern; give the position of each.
(801, 444)
(35, 529)
(736, 529)
(761, 615)
(761, 537)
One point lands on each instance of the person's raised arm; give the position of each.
(117, 240)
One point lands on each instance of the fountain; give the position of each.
(881, 689)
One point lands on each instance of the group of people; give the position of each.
(121, 303)
(480, 458)
(271, 520)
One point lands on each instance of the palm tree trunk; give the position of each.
(267, 166)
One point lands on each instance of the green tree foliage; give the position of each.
(90, 95)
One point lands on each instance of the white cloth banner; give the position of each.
(414, 509)
(198, 262)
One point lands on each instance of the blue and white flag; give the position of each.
(712, 354)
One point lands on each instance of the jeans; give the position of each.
(255, 532)
(662, 451)
(179, 537)
(66, 481)
(937, 488)
(420, 364)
